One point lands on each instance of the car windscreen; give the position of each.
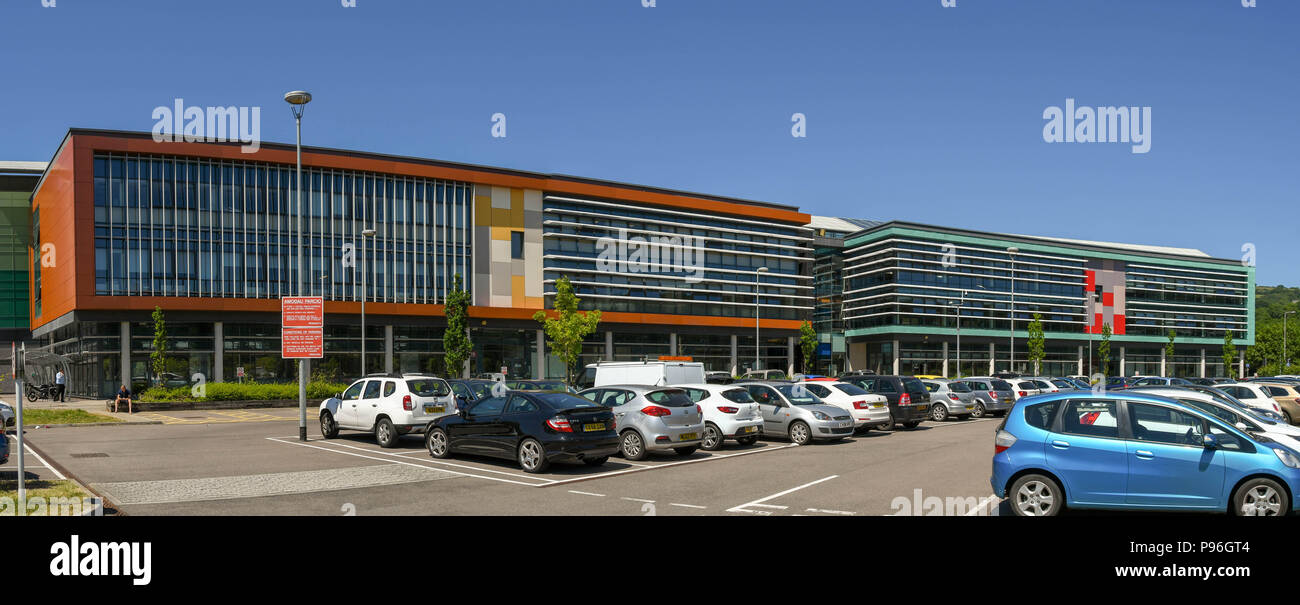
(426, 387)
(565, 401)
(737, 396)
(673, 398)
(1001, 385)
(850, 389)
(798, 396)
(958, 387)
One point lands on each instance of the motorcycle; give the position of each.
(40, 391)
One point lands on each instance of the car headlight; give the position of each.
(820, 416)
(1287, 457)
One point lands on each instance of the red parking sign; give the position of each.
(302, 321)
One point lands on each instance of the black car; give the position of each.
(533, 428)
(909, 400)
(4, 446)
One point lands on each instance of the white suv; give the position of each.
(388, 405)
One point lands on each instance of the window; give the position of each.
(461, 391)
(611, 398)
(1041, 415)
(426, 387)
(764, 395)
(1159, 424)
(489, 407)
(1090, 418)
(520, 405)
(354, 391)
(1227, 440)
(372, 390)
(738, 396)
(886, 386)
(931, 386)
(697, 395)
(516, 244)
(1220, 413)
(674, 398)
(818, 390)
(851, 390)
(390, 387)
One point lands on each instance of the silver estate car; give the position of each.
(991, 395)
(790, 410)
(651, 419)
(949, 398)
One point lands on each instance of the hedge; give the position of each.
(247, 391)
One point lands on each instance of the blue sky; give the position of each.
(914, 111)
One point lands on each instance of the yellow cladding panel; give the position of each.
(500, 217)
(483, 210)
(534, 302)
(517, 208)
(517, 292)
(501, 233)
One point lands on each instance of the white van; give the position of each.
(650, 373)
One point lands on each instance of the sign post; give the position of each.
(19, 354)
(302, 336)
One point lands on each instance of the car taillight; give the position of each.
(654, 410)
(905, 399)
(1003, 441)
(698, 410)
(993, 395)
(727, 409)
(406, 403)
(953, 396)
(1023, 394)
(560, 423)
(861, 405)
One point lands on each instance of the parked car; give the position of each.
(7, 416)
(652, 419)
(4, 447)
(1121, 382)
(1042, 383)
(545, 386)
(1024, 387)
(533, 428)
(652, 373)
(764, 375)
(388, 406)
(1222, 395)
(1210, 381)
(468, 391)
(1130, 450)
(868, 409)
(1066, 384)
(1287, 396)
(991, 395)
(1152, 381)
(729, 413)
(909, 402)
(949, 398)
(1244, 418)
(797, 414)
(718, 377)
(1253, 395)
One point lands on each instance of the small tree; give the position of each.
(1229, 354)
(158, 357)
(808, 345)
(455, 339)
(1103, 349)
(1037, 343)
(1169, 347)
(568, 328)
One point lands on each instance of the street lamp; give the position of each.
(367, 234)
(1012, 252)
(298, 101)
(757, 348)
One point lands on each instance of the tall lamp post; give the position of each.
(757, 348)
(1286, 360)
(366, 234)
(1011, 362)
(298, 101)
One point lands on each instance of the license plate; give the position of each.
(877, 405)
(688, 436)
(1007, 400)
(749, 429)
(970, 407)
(433, 409)
(594, 426)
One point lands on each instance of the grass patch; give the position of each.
(247, 391)
(43, 489)
(73, 416)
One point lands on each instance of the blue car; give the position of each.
(1131, 451)
(4, 445)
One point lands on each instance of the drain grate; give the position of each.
(91, 455)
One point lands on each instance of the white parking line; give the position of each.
(830, 512)
(976, 511)
(574, 491)
(686, 505)
(434, 461)
(45, 464)
(743, 508)
(638, 500)
(666, 465)
(390, 459)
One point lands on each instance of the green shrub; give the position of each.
(247, 391)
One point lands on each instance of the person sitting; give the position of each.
(123, 394)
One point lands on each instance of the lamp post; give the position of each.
(1011, 362)
(298, 101)
(960, 305)
(757, 348)
(1286, 359)
(366, 234)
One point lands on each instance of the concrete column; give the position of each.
(539, 366)
(1203, 364)
(945, 359)
(1122, 369)
(895, 356)
(672, 343)
(992, 360)
(125, 352)
(219, 348)
(789, 355)
(1163, 361)
(734, 356)
(388, 349)
(1241, 363)
(609, 346)
(1079, 372)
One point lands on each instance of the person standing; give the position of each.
(60, 386)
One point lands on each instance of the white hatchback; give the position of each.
(389, 405)
(729, 413)
(868, 409)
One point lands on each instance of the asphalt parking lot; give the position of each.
(260, 468)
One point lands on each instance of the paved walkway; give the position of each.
(96, 406)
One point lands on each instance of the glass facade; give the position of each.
(15, 238)
(170, 226)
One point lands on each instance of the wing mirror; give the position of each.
(462, 411)
(1210, 442)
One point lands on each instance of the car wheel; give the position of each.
(800, 434)
(1287, 415)
(712, 438)
(1260, 498)
(747, 440)
(328, 428)
(979, 411)
(632, 446)
(532, 456)
(913, 424)
(686, 451)
(939, 412)
(889, 423)
(1036, 496)
(385, 433)
(437, 443)
(597, 461)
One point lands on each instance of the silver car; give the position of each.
(949, 398)
(991, 395)
(651, 419)
(790, 410)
